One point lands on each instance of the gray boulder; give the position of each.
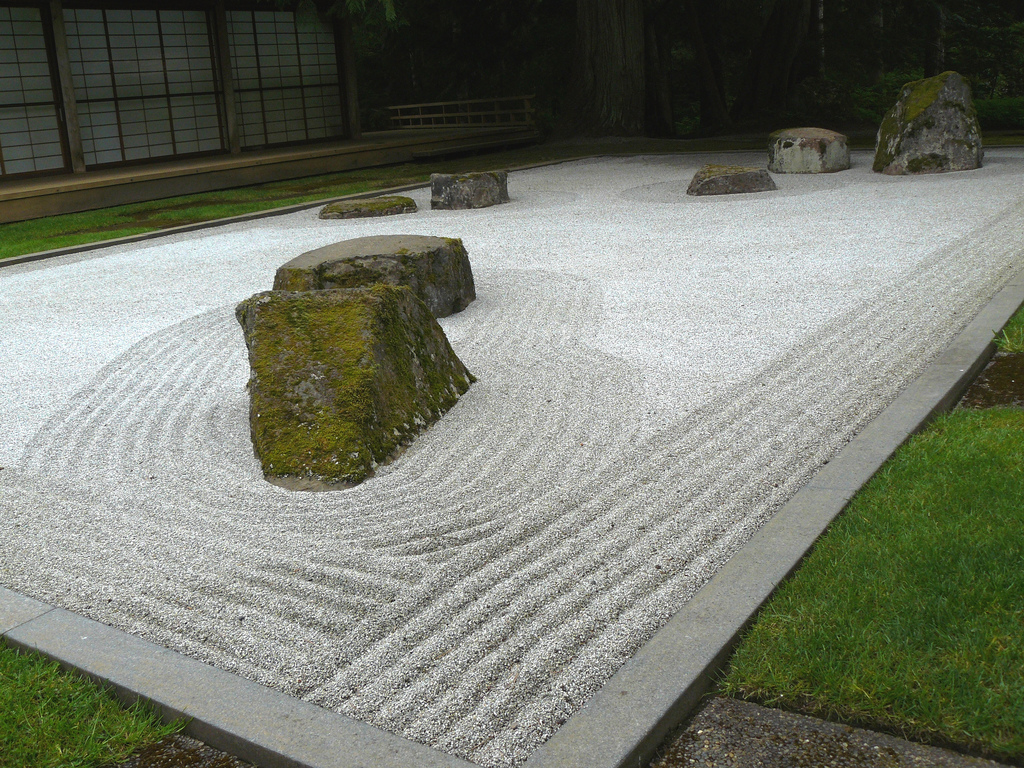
(730, 180)
(807, 150)
(342, 379)
(435, 268)
(932, 128)
(376, 206)
(468, 190)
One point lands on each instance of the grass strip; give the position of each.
(50, 718)
(907, 617)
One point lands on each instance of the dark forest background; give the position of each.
(686, 67)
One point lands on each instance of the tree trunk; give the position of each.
(657, 48)
(769, 80)
(608, 88)
(935, 43)
(702, 18)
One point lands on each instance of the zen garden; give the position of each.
(554, 384)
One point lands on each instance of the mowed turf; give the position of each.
(908, 616)
(54, 719)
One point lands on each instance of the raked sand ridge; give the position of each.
(657, 375)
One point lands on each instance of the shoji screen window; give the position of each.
(144, 81)
(30, 135)
(285, 72)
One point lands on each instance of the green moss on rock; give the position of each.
(437, 269)
(378, 206)
(342, 380)
(932, 127)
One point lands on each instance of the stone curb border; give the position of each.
(622, 725)
(258, 724)
(626, 721)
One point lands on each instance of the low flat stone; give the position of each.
(932, 128)
(376, 206)
(468, 190)
(730, 180)
(341, 380)
(807, 150)
(435, 268)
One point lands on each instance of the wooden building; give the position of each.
(93, 84)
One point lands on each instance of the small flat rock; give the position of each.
(468, 190)
(437, 269)
(376, 206)
(730, 180)
(807, 150)
(932, 128)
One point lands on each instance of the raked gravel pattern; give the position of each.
(657, 375)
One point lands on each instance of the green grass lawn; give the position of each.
(19, 238)
(53, 719)
(908, 616)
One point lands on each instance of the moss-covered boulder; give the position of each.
(435, 268)
(376, 206)
(730, 180)
(342, 379)
(807, 150)
(468, 190)
(932, 128)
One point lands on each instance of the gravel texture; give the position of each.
(736, 734)
(657, 375)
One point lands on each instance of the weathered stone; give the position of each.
(435, 268)
(932, 128)
(376, 206)
(730, 180)
(342, 379)
(807, 150)
(468, 190)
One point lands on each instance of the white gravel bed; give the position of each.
(657, 374)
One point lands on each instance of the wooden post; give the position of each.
(67, 88)
(227, 80)
(347, 75)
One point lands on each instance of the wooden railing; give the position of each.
(483, 113)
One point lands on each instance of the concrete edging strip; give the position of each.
(625, 722)
(258, 724)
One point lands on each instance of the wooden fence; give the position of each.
(483, 113)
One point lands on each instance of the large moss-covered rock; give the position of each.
(435, 268)
(468, 190)
(730, 180)
(807, 150)
(932, 128)
(391, 205)
(342, 379)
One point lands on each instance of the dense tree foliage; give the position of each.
(665, 67)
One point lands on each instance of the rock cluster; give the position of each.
(348, 362)
(807, 150)
(932, 128)
(341, 379)
(375, 206)
(730, 180)
(468, 190)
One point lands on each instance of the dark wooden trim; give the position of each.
(227, 78)
(72, 131)
(347, 76)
